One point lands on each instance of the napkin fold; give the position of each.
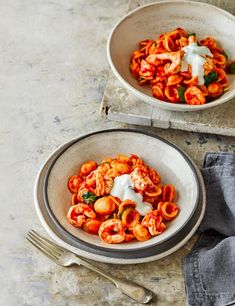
(209, 269)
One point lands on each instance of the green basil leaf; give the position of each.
(225, 54)
(120, 213)
(231, 68)
(211, 77)
(181, 91)
(192, 34)
(89, 197)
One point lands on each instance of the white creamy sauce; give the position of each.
(195, 56)
(123, 189)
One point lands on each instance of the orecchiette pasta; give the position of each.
(116, 220)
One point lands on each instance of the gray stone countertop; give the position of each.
(53, 72)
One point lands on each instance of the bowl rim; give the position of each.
(70, 143)
(92, 254)
(149, 99)
(153, 253)
(110, 258)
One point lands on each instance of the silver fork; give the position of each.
(66, 258)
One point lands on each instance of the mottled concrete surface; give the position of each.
(53, 71)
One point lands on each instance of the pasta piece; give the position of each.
(153, 191)
(124, 205)
(219, 58)
(154, 176)
(92, 226)
(203, 89)
(91, 179)
(129, 237)
(214, 90)
(74, 183)
(75, 199)
(172, 94)
(225, 84)
(168, 43)
(121, 168)
(158, 92)
(174, 79)
(208, 42)
(130, 217)
(105, 206)
(221, 74)
(141, 232)
(194, 96)
(168, 210)
(135, 68)
(168, 193)
(87, 168)
(193, 81)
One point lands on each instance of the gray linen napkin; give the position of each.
(209, 269)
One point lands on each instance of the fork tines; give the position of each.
(47, 247)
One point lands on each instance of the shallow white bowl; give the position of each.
(170, 162)
(149, 22)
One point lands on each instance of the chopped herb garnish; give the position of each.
(225, 54)
(231, 68)
(120, 215)
(211, 77)
(89, 197)
(192, 34)
(181, 91)
(122, 211)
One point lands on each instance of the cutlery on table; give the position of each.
(66, 258)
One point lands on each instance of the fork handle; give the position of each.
(131, 289)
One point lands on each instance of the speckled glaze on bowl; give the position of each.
(170, 162)
(149, 22)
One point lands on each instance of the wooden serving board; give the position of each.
(120, 105)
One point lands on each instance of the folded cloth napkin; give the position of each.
(209, 269)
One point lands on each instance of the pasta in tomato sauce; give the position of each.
(121, 199)
(179, 68)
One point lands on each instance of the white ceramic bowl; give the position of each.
(149, 22)
(170, 162)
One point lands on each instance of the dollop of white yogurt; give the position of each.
(123, 189)
(195, 56)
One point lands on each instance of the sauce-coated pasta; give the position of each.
(96, 209)
(179, 68)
